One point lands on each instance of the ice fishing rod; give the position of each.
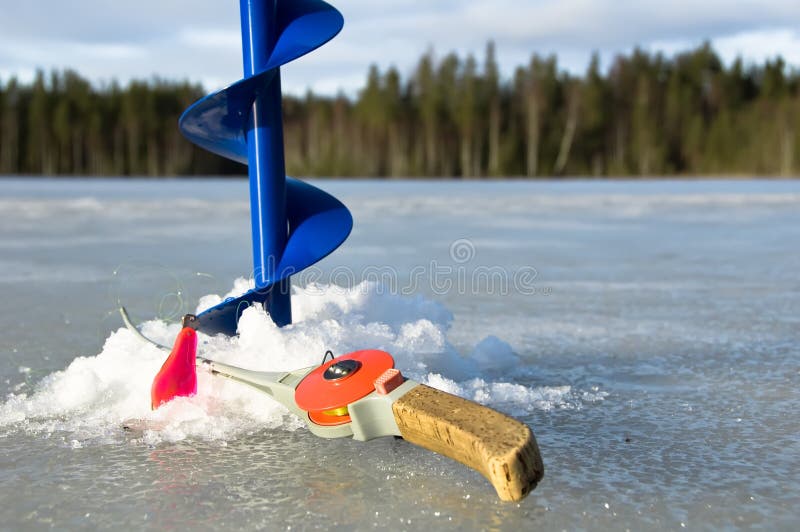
(293, 224)
(361, 395)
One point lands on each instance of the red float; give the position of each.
(178, 376)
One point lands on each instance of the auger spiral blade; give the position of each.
(294, 224)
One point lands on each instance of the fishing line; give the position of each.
(167, 303)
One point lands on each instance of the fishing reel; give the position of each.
(326, 392)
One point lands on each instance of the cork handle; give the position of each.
(502, 449)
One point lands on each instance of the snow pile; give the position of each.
(95, 396)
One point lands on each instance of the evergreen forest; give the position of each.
(643, 115)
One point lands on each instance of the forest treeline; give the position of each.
(645, 114)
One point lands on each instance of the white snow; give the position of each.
(95, 396)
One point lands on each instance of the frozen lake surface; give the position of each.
(648, 332)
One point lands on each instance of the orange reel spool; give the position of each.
(325, 392)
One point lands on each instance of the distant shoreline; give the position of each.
(551, 179)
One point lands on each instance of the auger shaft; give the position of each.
(266, 166)
(294, 224)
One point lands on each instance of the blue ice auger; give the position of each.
(294, 224)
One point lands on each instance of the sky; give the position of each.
(199, 40)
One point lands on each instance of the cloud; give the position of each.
(210, 38)
(199, 39)
(761, 45)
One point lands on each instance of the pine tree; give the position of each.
(9, 129)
